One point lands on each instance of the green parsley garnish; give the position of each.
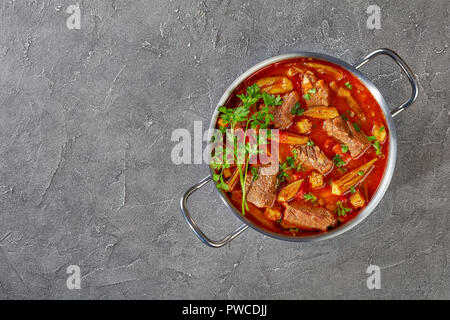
(296, 109)
(338, 161)
(356, 127)
(361, 173)
(378, 148)
(282, 175)
(348, 85)
(310, 197)
(344, 148)
(341, 210)
(242, 151)
(271, 100)
(310, 143)
(290, 161)
(254, 171)
(300, 167)
(312, 91)
(307, 96)
(352, 189)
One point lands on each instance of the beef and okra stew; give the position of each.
(332, 143)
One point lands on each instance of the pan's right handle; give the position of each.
(194, 226)
(412, 79)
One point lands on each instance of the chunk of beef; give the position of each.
(262, 191)
(345, 132)
(307, 217)
(322, 95)
(282, 115)
(313, 157)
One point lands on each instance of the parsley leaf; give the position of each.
(361, 173)
(348, 85)
(296, 109)
(310, 143)
(253, 90)
(290, 161)
(378, 148)
(240, 113)
(338, 161)
(307, 96)
(282, 175)
(271, 100)
(356, 127)
(300, 167)
(341, 210)
(310, 197)
(254, 171)
(344, 148)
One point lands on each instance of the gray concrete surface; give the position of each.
(85, 173)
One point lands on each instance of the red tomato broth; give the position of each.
(369, 107)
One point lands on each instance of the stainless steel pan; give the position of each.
(388, 114)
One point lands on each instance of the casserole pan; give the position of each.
(392, 155)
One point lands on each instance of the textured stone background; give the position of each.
(85, 173)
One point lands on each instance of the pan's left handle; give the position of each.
(195, 227)
(406, 70)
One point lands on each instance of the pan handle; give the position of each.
(412, 79)
(194, 226)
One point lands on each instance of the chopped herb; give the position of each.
(296, 109)
(352, 189)
(310, 197)
(344, 148)
(356, 127)
(310, 143)
(348, 85)
(282, 175)
(344, 117)
(378, 148)
(312, 91)
(381, 130)
(371, 138)
(294, 230)
(290, 161)
(341, 210)
(300, 167)
(361, 173)
(254, 171)
(307, 96)
(338, 161)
